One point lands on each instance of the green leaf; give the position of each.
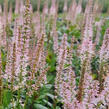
(50, 95)
(66, 65)
(39, 106)
(41, 97)
(48, 103)
(48, 86)
(57, 107)
(1, 107)
(7, 95)
(94, 76)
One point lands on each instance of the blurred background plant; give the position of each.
(104, 4)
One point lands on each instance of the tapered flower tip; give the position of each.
(27, 2)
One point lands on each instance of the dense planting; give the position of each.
(51, 60)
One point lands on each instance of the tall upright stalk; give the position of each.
(13, 70)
